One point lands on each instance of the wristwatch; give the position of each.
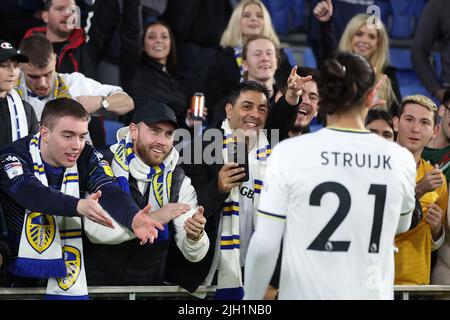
(104, 104)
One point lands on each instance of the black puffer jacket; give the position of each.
(143, 78)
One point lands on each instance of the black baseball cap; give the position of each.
(7, 51)
(154, 112)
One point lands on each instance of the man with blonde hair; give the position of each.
(416, 125)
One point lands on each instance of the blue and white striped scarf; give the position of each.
(19, 124)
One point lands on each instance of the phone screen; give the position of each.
(238, 152)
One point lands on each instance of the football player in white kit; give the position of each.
(336, 198)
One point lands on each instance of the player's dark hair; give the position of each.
(345, 82)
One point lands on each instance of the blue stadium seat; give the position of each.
(407, 78)
(286, 14)
(111, 128)
(405, 14)
(401, 58)
(309, 60)
(290, 56)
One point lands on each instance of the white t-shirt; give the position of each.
(336, 198)
(78, 85)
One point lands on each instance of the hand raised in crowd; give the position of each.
(434, 218)
(373, 94)
(195, 225)
(169, 212)
(433, 179)
(323, 11)
(144, 227)
(295, 87)
(229, 176)
(91, 209)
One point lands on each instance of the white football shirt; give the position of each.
(337, 198)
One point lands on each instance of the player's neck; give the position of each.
(345, 121)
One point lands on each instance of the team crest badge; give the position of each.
(72, 258)
(40, 230)
(105, 165)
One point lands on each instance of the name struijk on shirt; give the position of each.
(356, 160)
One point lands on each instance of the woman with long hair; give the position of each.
(148, 65)
(365, 35)
(250, 18)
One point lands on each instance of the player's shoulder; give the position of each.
(303, 139)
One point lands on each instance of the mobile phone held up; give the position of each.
(238, 153)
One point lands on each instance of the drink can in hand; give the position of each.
(197, 105)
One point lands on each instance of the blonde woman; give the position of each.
(372, 43)
(248, 19)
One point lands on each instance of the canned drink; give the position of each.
(197, 105)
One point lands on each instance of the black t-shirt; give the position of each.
(5, 121)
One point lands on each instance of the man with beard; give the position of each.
(75, 53)
(145, 164)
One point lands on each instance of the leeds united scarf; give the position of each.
(51, 246)
(229, 281)
(160, 177)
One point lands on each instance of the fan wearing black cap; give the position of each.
(145, 165)
(17, 117)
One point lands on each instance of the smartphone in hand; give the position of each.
(238, 153)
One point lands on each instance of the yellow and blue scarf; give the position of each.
(229, 281)
(125, 161)
(51, 246)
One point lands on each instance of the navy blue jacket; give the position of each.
(26, 191)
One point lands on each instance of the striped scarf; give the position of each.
(19, 124)
(160, 176)
(60, 90)
(229, 281)
(238, 58)
(51, 246)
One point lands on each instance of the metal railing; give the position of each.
(122, 292)
(137, 292)
(437, 291)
